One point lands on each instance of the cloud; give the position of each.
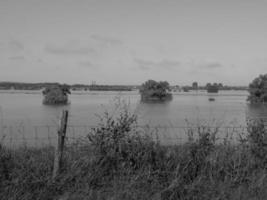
(40, 60)
(106, 40)
(144, 67)
(163, 64)
(87, 64)
(69, 49)
(210, 65)
(12, 46)
(16, 58)
(15, 45)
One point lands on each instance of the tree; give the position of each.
(258, 90)
(153, 90)
(212, 88)
(56, 94)
(195, 85)
(208, 85)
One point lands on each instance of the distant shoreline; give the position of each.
(96, 87)
(132, 92)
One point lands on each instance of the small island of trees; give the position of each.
(56, 94)
(258, 90)
(213, 88)
(155, 91)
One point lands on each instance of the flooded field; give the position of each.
(23, 117)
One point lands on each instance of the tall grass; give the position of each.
(120, 161)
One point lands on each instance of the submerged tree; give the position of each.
(56, 94)
(195, 85)
(258, 90)
(153, 90)
(212, 88)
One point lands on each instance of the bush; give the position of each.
(257, 141)
(56, 94)
(119, 146)
(155, 91)
(258, 90)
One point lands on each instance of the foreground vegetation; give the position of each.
(120, 161)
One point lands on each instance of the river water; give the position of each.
(23, 116)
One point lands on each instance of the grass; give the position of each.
(119, 161)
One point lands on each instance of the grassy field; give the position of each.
(118, 162)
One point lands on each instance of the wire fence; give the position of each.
(41, 136)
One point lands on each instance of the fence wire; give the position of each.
(41, 136)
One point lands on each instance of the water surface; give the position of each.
(24, 110)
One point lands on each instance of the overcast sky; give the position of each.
(128, 42)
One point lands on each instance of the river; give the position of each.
(21, 112)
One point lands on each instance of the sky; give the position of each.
(131, 41)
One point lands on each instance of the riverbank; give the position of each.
(116, 161)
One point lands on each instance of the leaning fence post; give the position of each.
(60, 143)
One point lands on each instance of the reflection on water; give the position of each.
(257, 111)
(153, 112)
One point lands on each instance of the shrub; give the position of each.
(56, 94)
(119, 145)
(153, 90)
(258, 90)
(257, 141)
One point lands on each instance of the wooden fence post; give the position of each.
(60, 143)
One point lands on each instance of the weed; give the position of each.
(121, 161)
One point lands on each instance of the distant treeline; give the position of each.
(110, 88)
(225, 87)
(39, 86)
(187, 88)
(94, 87)
(24, 86)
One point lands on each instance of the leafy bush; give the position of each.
(56, 94)
(153, 90)
(118, 144)
(258, 90)
(257, 141)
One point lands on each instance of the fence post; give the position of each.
(60, 143)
